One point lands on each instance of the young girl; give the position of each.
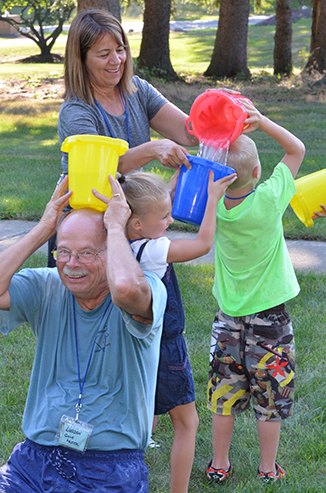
(150, 203)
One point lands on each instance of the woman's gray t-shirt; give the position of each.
(77, 117)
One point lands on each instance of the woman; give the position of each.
(103, 98)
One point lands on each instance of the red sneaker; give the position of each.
(218, 475)
(270, 477)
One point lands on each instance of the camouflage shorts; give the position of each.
(252, 357)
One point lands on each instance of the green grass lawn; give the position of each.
(30, 157)
(29, 148)
(190, 52)
(302, 447)
(30, 152)
(29, 169)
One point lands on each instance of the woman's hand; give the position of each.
(170, 154)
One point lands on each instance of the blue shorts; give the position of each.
(175, 382)
(34, 468)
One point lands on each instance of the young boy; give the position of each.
(252, 345)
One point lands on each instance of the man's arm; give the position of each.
(14, 256)
(128, 286)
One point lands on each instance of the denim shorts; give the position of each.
(175, 382)
(34, 468)
(252, 358)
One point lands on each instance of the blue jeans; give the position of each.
(36, 468)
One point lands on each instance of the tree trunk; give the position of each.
(111, 6)
(155, 50)
(283, 38)
(229, 57)
(317, 59)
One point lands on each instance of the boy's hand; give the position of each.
(254, 119)
(229, 91)
(320, 214)
(216, 189)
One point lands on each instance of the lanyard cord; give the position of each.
(81, 384)
(106, 121)
(238, 198)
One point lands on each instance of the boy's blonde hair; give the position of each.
(142, 191)
(243, 157)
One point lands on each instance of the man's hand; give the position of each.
(55, 206)
(118, 210)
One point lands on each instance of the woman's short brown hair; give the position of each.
(87, 28)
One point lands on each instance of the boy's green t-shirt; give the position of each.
(253, 269)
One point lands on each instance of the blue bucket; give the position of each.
(191, 192)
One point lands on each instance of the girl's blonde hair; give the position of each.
(243, 157)
(86, 29)
(142, 191)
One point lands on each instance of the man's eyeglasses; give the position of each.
(84, 257)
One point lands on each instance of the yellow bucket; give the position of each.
(311, 192)
(91, 159)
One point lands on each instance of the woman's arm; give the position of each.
(170, 123)
(168, 153)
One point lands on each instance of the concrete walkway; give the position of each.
(305, 255)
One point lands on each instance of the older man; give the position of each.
(89, 408)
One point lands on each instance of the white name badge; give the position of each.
(73, 434)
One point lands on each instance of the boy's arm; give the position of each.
(294, 148)
(184, 250)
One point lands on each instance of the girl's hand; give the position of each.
(216, 189)
(173, 184)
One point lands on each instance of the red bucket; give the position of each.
(216, 118)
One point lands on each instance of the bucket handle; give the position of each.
(65, 146)
(188, 122)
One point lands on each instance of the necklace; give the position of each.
(106, 120)
(238, 198)
(82, 383)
